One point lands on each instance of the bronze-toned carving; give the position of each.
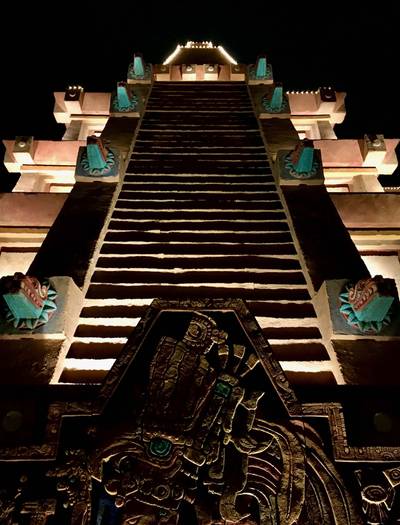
(196, 424)
(39, 511)
(74, 482)
(198, 440)
(377, 493)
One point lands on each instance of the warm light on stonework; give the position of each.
(172, 55)
(227, 55)
(190, 44)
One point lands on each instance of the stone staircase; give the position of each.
(198, 216)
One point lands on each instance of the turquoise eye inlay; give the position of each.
(223, 389)
(160, 447)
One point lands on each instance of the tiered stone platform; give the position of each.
(199, 215)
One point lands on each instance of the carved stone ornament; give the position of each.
(367, 305)
(196, 424)
(199, 442)
(378, 491)
(26, 302)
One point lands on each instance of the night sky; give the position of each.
(309, 45)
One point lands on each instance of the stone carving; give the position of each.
(277, 102)
(327, 94)
(39, 511)
(124, 101)
(198, 425)
(303, 165)
(27, 303)
(138, 70)
(378, 493)
(97, 161)
(74, 482)
(367, 305)
(74, 93)
(7, 506)
(199, 441)
(375, 142)
(301, 162)
(9, 499)
(261, 70)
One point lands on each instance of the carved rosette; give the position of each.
(378, 492)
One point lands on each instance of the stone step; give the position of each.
(205, 186)
(203, 100)
(226, 180)
(299, 350)
(225, 131)
(292, 351)
(201, 156)
(246, 291)
(221, 262)
(90, 370)
(208, 196)
(274, 210)
(180, 277)
(309, 376)
(198, 216)
(197, 134)
(199, 90)
(196, 236)
(282, 309)
(233, 106)
(277, 223)
(202, 206)
(186, 121)
(206, 101)
(171, 148)
(205, 248)
(135, 309)
(199, 128)
(100, 328)
(83, 330)
(125, 311)
(194, 117)
(195, 139)
(211, 168)
(102, 349)
(176, 102)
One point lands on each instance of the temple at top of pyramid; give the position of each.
(200, 317)
(199, 61)
(199, 53)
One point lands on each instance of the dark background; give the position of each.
(351, 46)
